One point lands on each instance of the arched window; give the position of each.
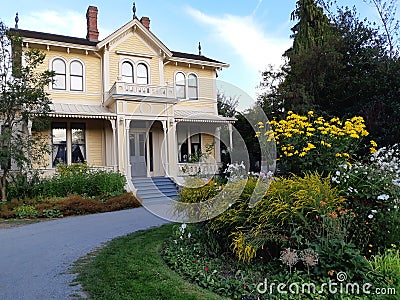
(76, 76)
(142, 74)
(127, 72)
(59, 68)
(193, 87)
(180, 85)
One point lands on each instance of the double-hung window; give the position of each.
(68, 143)
(76, 76)
(127, 72)
(60, 71)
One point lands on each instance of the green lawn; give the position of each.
(131, 267)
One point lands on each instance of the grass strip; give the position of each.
(131, 267)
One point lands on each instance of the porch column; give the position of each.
(165, 155)
(230, 137)
(173, 154)
(127, 157)
(217, 143)
(114, 144)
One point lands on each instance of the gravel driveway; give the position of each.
(34, 258)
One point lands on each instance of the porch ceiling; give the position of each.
(62, 110)
(200, 117)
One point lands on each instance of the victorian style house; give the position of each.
(130, 104)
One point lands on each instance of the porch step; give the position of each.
(152, 189)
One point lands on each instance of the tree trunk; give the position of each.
(3, 187)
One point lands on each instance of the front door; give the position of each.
(137, 143)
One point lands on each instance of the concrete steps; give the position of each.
(155, 189)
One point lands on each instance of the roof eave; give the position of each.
(199, 62)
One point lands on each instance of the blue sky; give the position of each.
(248, 35)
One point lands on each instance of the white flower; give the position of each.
(370, 216)
(374, 211)
(189, 235)
(337, 173)
(175, 241)
(383, 197)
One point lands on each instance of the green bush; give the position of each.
(74, 179)
(26, 211)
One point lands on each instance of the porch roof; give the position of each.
(200, 117)
(63, 110)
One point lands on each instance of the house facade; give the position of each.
(130, 104)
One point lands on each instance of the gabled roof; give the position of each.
(194, 57)
(176, 56)
(135, 23)
(53, 37)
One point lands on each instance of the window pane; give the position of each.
(59, 66)
(78, 153)
(195, 138)
(192, 93)
(76, 83)
(78, 136)
(192, 80)
(76, 68)
(180, 78)
(180, 92)
(59, 82)
(127, 72)
(142, 141)
(132, 144)
(142, 74)
(59, 141)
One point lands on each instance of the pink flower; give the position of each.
(206, 268)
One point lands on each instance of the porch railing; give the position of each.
(146, 90)
(201, 168)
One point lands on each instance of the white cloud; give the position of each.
(70, 23)
(256, 47)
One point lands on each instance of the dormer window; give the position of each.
(142, 74)
(59, 68)
(127, 72)
(76, 76)
(180, 85)
(193, 87)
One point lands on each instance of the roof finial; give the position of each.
(199, 48)
(134, 10)
(16, 21)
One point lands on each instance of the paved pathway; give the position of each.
(34, 258)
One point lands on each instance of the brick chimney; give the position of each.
(146, 22)
(91, 18)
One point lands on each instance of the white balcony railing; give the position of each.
(145, 90)
(201, 168)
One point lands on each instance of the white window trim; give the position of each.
(198, 84)
(83, 74)
(68, 75)
(187, 84)
(148, 70)
(135, 64)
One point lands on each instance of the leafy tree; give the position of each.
(23, 100)
(344, 70)
(227, 105)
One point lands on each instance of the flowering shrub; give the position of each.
(313, 143)
(373, 190)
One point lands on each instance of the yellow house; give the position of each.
(130, 104)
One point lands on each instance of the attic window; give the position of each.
(142, 74)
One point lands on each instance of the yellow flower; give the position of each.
(260, 126)
(289, 112)
(355, 136)
(260, 123)
(346, 155)
(311, 146)
(310, 113)
(372, 150)
(338, 155)
(373, 143)
(302, 154)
